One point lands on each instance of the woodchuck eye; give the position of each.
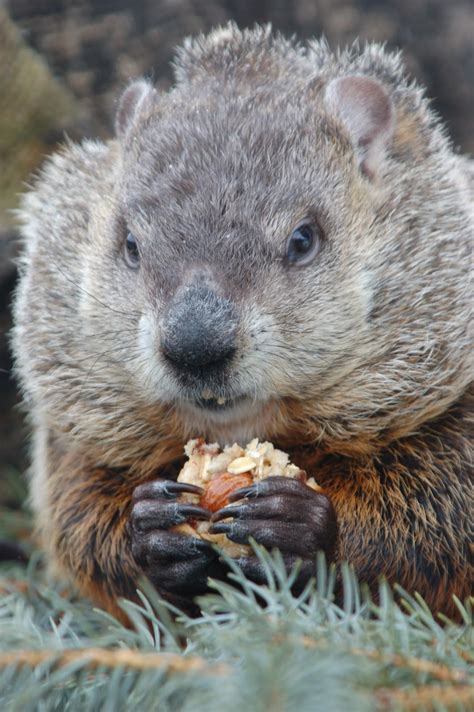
(131, 252)
(303, 244)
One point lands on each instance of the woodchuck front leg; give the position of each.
(83, 523)
(281, 513)
(178, 565)
(104, 530)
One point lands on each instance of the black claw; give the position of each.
(177, 487)
(163, 513)
(220, 528)
(165, 488)
(229, 511)
(201, 546)
(191, 510)
(243, 492)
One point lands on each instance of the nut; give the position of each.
(241, 464)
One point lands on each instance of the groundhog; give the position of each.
(276, 248)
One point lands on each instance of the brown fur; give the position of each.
(358, 364)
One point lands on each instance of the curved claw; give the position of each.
(243, 492)
(275, 485)
(232, 510)
(192, 510)
(164, 488)
(148, 514)
(221, 528)
(277, 507)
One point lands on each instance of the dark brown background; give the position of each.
(95, 46)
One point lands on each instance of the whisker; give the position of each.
(92, 296)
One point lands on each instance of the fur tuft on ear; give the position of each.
(137, 98)
(367, 111)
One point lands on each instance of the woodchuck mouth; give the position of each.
(218, 404)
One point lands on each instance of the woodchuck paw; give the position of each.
(175, 563)
(280, 513)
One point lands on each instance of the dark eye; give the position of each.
(303, 244)
(131, 253)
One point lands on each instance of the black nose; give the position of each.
(199, 329)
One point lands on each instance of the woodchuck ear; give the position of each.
(367, 112)
(137, 98)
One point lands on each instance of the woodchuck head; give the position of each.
(277, 247)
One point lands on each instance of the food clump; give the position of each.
(222, 472)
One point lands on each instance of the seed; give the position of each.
(241, 464)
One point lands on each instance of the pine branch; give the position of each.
(174, 663)
(426, 698)
(442, 673)
(11, 585)
(122, 658)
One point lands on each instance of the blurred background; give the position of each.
(64, 63)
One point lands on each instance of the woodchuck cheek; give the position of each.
(220, 488)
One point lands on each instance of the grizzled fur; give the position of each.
(358, 362)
